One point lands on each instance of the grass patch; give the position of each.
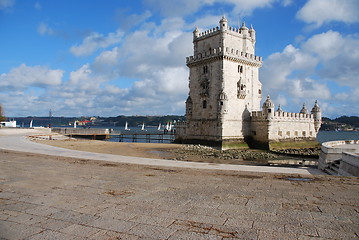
(294, 144)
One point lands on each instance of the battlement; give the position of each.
(181, 124)
(208, 33)
(259, 115)
(240, 32)
(227, 52)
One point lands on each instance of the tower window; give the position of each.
(259, 91)
(204, 104)
(221, 103)
(205, 69)
(269, 110)
(240, 69)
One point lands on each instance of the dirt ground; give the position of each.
(176, 152)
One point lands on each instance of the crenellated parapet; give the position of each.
(242, 32)
(181, 124)
(229, 53)
(283, 116)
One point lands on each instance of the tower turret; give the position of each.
(252, 34)
(223, 24)
(195, 33)
(279, 109)
(304, 109)
(317, 114)
(244, 29)
(268, 108)
(222, 103)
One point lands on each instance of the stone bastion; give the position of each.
(345, 152)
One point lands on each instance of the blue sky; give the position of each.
(110, 58)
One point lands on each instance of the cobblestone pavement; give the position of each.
(49, 197)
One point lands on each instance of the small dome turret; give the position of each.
(223, 23)
(196, 33)
(316, 107)
(317, 114)
(304, 109)
(268, 103)
(268, 108)
(279, 109)
(244, 27)
(252, 33)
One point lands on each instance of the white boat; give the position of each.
(143, 127)
(159, 127)
(75, 124)
(167, 126)
(30, 124)
(126, 127)
(170, 127)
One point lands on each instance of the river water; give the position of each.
(323, 136)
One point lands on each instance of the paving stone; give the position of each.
(301, 230)
(327, 233)
(213, 212)
(27, 219)
(80, 230)
(184, 235)
(117, 214)
(156, 232)
(239, 223)
(268, 234)
(11, 230)
(53, 224)
(273, 226)
(42, 211)
(153, 220)
(18, 206)
(191, 226)
(204, 219)
(72, 216)
(112, 224)
(52, 235)
(167, 204)
(109, 235)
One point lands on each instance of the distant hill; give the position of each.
(340, 123)
(100, 121)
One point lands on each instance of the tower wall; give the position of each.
(223, 106)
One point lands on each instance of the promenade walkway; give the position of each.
(58, 197)
(18, 142)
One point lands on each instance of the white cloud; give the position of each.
(5, 4)
(43, 29)
(277, 69)
(96, 41)
(25, 76)
(305, 73)
(339, 56)
(180, 8)
(319, 12)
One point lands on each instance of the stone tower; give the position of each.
(224, 87)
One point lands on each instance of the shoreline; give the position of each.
(182, 152)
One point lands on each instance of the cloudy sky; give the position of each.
(116, 57)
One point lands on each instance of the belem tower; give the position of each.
(223, 106)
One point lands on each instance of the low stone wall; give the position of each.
(345, 151)
(349, 164)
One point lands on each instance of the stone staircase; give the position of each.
(333, 168)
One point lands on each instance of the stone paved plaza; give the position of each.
(49, 197)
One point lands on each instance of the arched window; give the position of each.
(204, 104)
(240, 69)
